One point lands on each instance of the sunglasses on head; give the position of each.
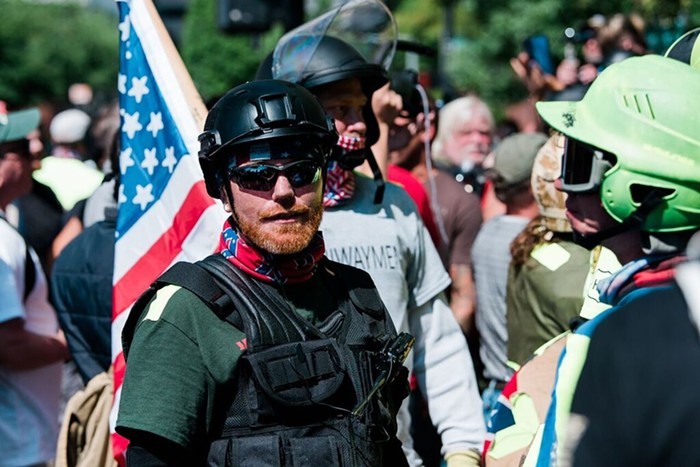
(263, 177)
(583, 167)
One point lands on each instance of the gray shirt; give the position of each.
(490, 260)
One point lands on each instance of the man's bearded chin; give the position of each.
(475, 154)
(286, 239)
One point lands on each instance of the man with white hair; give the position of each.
(464, 140)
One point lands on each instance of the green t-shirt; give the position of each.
(543, 296)
(183, 357)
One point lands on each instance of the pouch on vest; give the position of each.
(299, 374)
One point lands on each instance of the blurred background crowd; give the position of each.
(484, 66)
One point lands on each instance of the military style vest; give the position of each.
(303, 394)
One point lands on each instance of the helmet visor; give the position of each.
(366, 25)
(583, 167)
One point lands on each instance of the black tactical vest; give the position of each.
(297, 385)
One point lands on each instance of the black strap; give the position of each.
(199, 282)
(634, 220)
(259, 305)
(380, 185)
(193, 278)
(29, 272)
(29, 267)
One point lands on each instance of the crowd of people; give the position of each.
(398, 283)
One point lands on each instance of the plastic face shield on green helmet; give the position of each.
(366, 25)
(644, 112)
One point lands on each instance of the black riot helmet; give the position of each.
(355, 40)
(334, 60)
(262, 111)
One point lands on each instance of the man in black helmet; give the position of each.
(385, 236)
(283, 357)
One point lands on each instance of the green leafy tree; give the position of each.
(477, 38)
(44, 48)
(218, 61)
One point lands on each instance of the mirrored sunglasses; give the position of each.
(263, 177)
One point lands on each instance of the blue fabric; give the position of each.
(549, 436)
(490, 400)
(81, 292)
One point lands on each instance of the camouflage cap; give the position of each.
(545, 171)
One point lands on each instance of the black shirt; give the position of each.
(638, 391)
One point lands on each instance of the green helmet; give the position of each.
(643, 111)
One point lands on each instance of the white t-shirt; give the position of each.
(390, 242)
(29, 400)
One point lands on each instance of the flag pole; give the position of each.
(194, 100)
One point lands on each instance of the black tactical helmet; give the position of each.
(259, 111)
(335, 60)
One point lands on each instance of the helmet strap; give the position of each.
(229, 195)
(378, 178)
(633, 221)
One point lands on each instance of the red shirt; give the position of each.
(417, 192)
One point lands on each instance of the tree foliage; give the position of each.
(485, 35)
(218, 61)
(44, 48)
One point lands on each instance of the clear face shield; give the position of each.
(366, 25)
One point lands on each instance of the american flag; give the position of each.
(165, 214)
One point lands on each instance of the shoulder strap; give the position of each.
(268, 318)
(193, 278)
(198, 281)
(29, 271)
(361, 289)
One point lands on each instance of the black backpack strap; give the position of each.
(198, 281)
(29, 272)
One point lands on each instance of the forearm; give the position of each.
(22, 350)
(463, 297)
(386, 105)
(446, 377)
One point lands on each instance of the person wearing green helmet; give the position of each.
(631, 169)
